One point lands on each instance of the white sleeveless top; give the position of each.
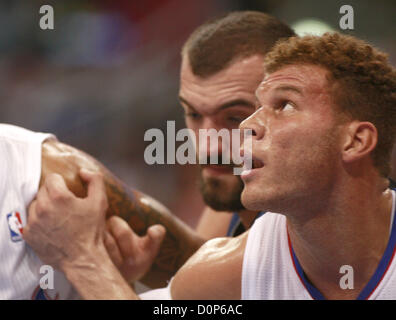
(271, 270)
(20, 171)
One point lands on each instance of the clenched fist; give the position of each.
(65, 230)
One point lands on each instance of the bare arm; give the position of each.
(97, 278)
(56, 214)
(213, 272)
(138, 209)
(67, 232)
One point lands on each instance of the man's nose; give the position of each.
(209, 134)
(254, 125)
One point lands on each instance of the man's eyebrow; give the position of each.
(184, 101)
(289, 88)
(280, 88)
(237, 102)
(229, 104)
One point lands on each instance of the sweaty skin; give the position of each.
(335, 201)
(326, 183)
(354, 215)
(353, 211)
(138, 209)
(79, 251)
(213, 272)
(220, 101)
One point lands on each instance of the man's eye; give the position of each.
(192, 115)
(286, 106)
(235, 119)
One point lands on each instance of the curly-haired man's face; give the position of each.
(295, 141)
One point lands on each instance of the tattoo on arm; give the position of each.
(138, 209)
(141, 211)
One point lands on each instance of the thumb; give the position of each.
(55, 181)
(55, 184)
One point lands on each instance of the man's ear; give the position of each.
(360, 140)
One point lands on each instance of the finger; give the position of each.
(124, 236)
(155, 236)
(96, 187)
(150, 244)
(56, 187)
(112, 249)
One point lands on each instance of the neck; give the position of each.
(351, 228)
(247, 217)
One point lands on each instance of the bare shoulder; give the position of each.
(213, 272)
(213, 224)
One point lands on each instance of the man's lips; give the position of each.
(251, 166)
(257, 163)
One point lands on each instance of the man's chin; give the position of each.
(251, 201)
(222, 193)
(223, 205)
(259, 201)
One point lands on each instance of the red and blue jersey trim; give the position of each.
(313, 292)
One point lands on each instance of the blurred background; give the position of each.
(109, 71)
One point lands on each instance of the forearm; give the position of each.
(95, 277)
(139, 210)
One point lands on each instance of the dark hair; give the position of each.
(218, 42)
(364, 81)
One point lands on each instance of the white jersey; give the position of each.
(20, 171)
(271, 270)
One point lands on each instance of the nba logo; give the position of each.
(15, 226)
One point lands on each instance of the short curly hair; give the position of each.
(363, 82)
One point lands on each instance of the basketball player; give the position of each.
(323, 132)
(235, 72)
(20, 164)
(216, 92)
(27, 159)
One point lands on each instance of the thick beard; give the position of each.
(213, 189)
